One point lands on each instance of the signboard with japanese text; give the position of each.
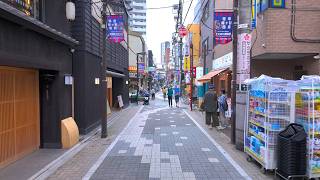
(223, 27)
(115, 26)
(243, 65)
(132, 74)
(187, 63)
(254, 14)
(141, 67)
(199, 72)
(244, 47)
(222, 62)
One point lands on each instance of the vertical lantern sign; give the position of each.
(115, 25)
(223, 27)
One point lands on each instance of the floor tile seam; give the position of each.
(220, 148)
(100, 160)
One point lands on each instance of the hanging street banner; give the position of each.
(223, 27)
(115, 27)
(243, 65)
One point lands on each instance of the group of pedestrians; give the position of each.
(170, 92)
(215, 108)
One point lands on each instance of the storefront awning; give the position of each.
(114, 74)
(210, 75)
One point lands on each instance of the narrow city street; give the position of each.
(164, 143)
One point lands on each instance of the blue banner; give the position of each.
(223, 27)
(115, 25)
(254, 14)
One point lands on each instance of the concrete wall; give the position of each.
(274, 27)
(284, 68)
(207, 33)
(136, 45)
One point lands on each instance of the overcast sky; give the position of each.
(161, 25)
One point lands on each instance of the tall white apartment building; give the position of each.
(138, 16)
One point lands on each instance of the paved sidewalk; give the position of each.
(77, 166)
(164, 143)
(253, 169)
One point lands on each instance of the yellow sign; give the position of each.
(187, 63)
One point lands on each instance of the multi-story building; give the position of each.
(138, 16)
(137, 48)
(35, 59)
(165, 54)
(197, 12)
(286, 41)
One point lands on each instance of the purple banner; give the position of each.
(115, 27)
(223, 27)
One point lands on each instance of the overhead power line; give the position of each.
(195, 17)
(165, 7)
(187, 12)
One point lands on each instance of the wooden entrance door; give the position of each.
(19, 113)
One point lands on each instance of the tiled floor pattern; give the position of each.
(163, 143)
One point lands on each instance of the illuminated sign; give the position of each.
(26, 6)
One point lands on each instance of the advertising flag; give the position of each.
(115, 27)
(223, 27)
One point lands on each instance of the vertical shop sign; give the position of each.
(115, 27)
(254, 14)
(141, 68)
(199, 72)
(278, 4)
(243, 66)
(223, 27)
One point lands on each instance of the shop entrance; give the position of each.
(19, 113)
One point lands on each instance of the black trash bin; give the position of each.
(292, 150)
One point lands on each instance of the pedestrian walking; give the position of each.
(164, 92)
(153, 93)
(223, 107)
(177, 95)
(170, 94)
(211, 107)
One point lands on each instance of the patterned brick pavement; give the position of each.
(164, 143)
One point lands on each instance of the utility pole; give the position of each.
(104, 133)
(205, 50)
(241, 12)
(191, 72)
(180, 44)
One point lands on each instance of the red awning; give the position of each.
(210, 75)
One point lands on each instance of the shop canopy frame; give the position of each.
(211, 74)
